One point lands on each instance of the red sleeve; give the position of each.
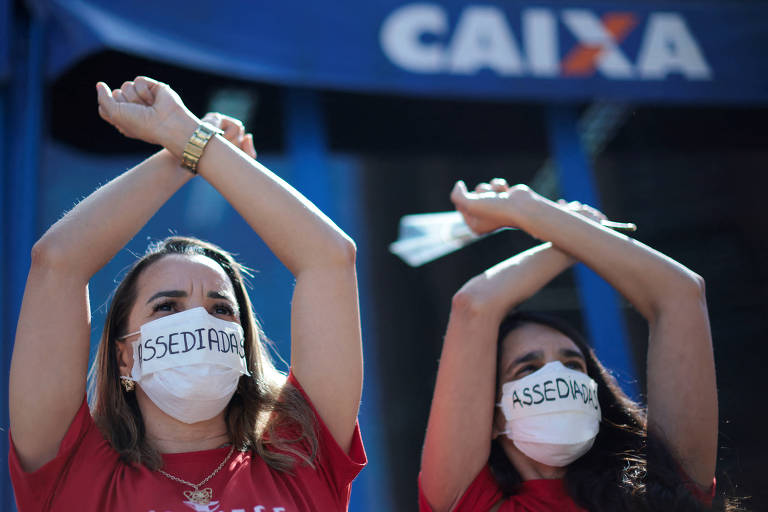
(338, 467)
(34, 490)
(482, 494)
(704, 495)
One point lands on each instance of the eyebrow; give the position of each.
(221, 295)
(538, 354)
(168, 293)
(182, 293)
(530, 356)
(569, 352)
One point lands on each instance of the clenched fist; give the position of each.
(147, 110)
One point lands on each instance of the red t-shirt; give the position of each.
(88, 475)
(534, 496)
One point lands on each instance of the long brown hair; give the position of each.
(266, 415)
(626, 469)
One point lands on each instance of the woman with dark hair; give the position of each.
(188, 410)
(525, 418)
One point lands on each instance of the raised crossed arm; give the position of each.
(459, 431)
(50, 354)
(326, 349)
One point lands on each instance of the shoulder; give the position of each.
(296, 428)
(298, 431)
(82, 456)
(482, 495)
(329, 450)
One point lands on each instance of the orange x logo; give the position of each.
(596, 41)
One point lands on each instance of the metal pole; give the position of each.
(19, 217)
(599, 301)
(7, 501)
(335, 189)
(6, 495)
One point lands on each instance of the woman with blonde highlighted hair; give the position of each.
(188, 411)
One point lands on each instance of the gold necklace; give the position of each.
(199, 496)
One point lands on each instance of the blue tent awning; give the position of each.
(632, 51)
(627, 51)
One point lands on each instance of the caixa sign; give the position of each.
(542, 50)
(543, 43)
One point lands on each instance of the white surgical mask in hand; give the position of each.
(189, 363)
(552, 415)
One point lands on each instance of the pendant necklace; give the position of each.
(199, 496)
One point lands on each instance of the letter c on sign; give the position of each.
(400, 37)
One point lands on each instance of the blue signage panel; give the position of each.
(637, 51)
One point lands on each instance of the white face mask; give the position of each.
(189, 363)
(553, 415)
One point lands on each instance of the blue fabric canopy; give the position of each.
(550, 51)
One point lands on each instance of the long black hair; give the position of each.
(625, 470)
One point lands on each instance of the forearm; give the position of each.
(296, 231)
(460, 426)
(650, 280)
(293, 228)
(90, 234)
(511, 282)
(671, 298)
(326, 353)
(47, 380)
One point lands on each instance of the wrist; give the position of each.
(524, 206)
(177, 131)
(565, 259)
(172, 163)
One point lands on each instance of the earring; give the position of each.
(128, 383)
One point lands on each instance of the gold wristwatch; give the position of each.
(196, 145)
